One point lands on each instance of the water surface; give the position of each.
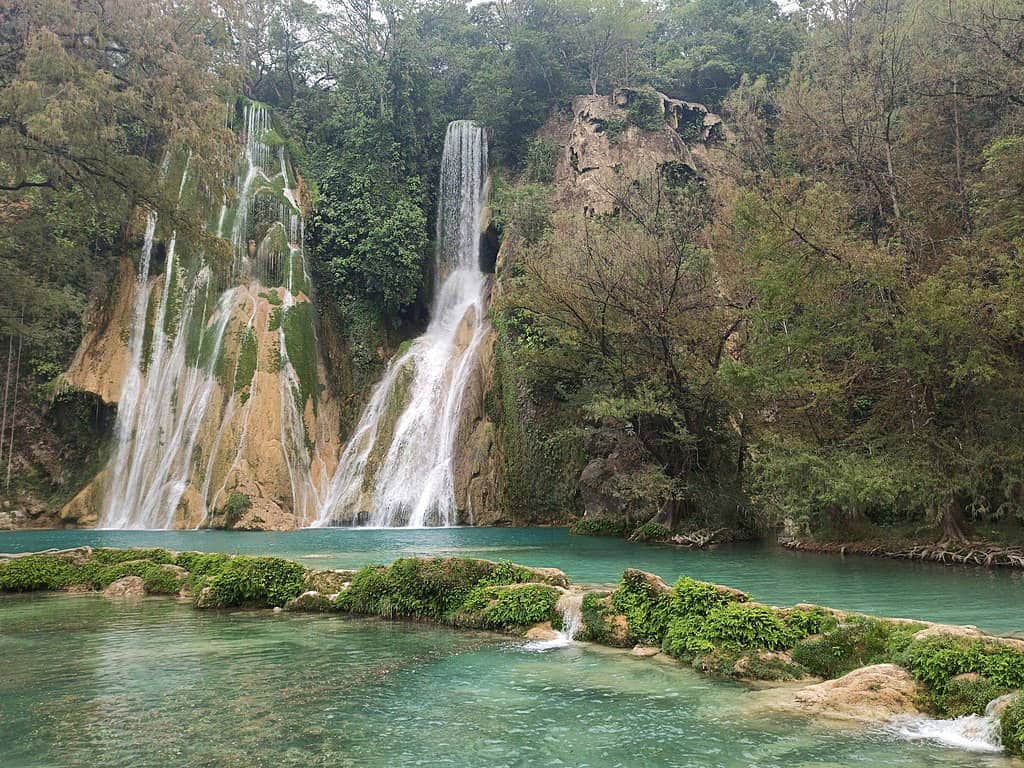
(89, 682)
(989, 598)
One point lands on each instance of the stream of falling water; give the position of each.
(397, 468)
(166, 398)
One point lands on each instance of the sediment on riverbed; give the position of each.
(858, 666)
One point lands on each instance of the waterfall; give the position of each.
(570, 607)
(171, 393)
(397, 468)
(973, 733)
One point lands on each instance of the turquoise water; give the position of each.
(991, 599)
(91, 682)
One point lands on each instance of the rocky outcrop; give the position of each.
(873, 694)
(102, 358)
(129, 586)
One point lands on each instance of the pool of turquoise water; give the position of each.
(989, 598)
(86, 682)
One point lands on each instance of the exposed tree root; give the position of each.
(954, 553)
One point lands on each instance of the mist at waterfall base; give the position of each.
(409, 481)
(89, 681)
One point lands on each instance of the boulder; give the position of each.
(645, 651)
(311, 601)
(873, 694)
(542, 631)
(129, 586)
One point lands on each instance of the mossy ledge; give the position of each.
(718, 630)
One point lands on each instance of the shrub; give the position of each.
(517, 606)
(646, 607)
(541, 157)
(967, 696)
(645, 109)
(699, 598)
(601, 624)
(813, 621)
(106, 556)
(234, 508)
(256, 581)
(743, 626)
(1011, 726)
(201, 564)
(599, 526)
(937, 660)
(856, 643)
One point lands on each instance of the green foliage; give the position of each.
(645, 109)
(1011, 727)
(541, 157)
(613, 129)
(650, 532)
(813, 621)
(645, 604)
(234, 508)
(852, 644)
(599, 526)
(967, 696)
(35, 572)
(261, 582)
(742, 626)
(699, 598)
(936, 661)
(512, 606)
(523, 209)
(601, 623)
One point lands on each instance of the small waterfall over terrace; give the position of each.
(182, 404)
(397, 469)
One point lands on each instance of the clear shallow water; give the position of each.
(89, 682)
(992, 599)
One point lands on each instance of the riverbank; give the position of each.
(873, 668)
(980, 553)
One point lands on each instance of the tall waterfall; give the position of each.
(181, 389)
(397, 468)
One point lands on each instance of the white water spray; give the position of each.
(973, 733)
(397, 468)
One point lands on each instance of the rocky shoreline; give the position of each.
(835, 664)
(968, 553)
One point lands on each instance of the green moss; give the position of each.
(274, 321)
(245, 367)
(299, 323)
(108, 556)
(1011, 727)
(35, 572)
(272, 298)
(261, 582)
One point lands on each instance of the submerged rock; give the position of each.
(542, 631)
(645, 651)
(129, 586)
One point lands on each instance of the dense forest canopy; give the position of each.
(829, 331)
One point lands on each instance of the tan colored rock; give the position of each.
(102, 359)
(872, 694)
(128, 586)
(542, 631)
(950, 631)
(645, 651)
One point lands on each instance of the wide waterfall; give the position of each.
(397, 468)
(194, 349)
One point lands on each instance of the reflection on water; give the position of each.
(88, 682)
(959, 595)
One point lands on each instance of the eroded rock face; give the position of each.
(872, 694)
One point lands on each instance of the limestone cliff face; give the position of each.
(602, 150)
(243, 445)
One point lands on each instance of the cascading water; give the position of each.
(172, 389)
(397, 468)
(973, 733)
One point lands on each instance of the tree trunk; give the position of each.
(953, 526)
